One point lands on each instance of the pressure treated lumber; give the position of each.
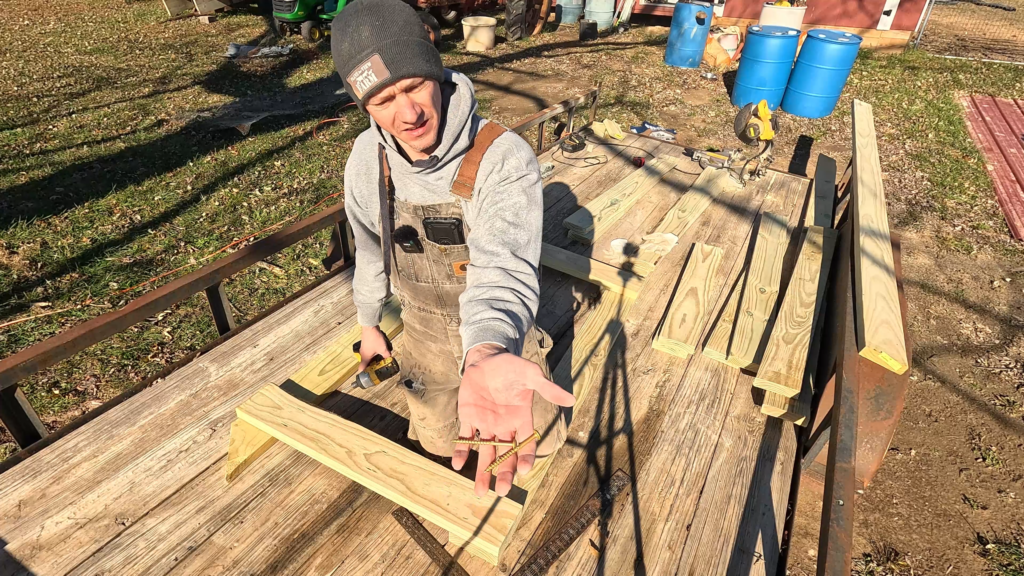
(880, 335)
(312, 383)
(785, 358)
(691, 303)
(600, 214)
(798, 409)
(427, 488)
(710, 185)
(740, 337)
(612, 278)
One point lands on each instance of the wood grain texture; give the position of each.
(600, 214)
(741, 337)
(785, 358)
(312, 383)
(710, 185)
(612, 278)
(880, 335)
(82, 492)
(676, 432)
(691, 303)
(426, 488)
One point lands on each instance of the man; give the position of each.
(448, 209)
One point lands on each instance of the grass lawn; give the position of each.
(110, 175)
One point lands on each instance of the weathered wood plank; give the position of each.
(312, 383)
(879, 331)
(691, 304)
(617, 426)
(785, 358)
(675, 445)
(68, 500)
(614, 279)
(740, 338)
(688, 210)
(424, 487)
(600, 214)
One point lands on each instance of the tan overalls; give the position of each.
(429, 284)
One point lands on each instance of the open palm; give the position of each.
(496, 401)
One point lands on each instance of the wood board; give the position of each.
(741, 335)
(312, 383)
(786, 357)
(880, 335)
(426, 488)
(614, 279)
(710, 185)
(600, 214)
(691, 303)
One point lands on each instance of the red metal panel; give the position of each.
(742, 9)
(997, 127)
(908, 14)
(850, 13)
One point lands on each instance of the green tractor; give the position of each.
(310, 18)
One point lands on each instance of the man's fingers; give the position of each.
(505, 471)
(552, 392)
(461, 451)
(527, 454)
(485, 455)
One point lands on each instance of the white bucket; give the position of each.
(788, 16)
(479, 33)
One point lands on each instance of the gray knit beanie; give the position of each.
(376, 43)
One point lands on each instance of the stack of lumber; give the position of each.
(772, 321)
(600, 214)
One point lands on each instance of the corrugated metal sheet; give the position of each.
(997, 126)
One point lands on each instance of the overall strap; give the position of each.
(466, 178)
(387, 211)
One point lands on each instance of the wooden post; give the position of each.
(540, 136)
(220, 307)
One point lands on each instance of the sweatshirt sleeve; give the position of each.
(369, 284)
(502, 291)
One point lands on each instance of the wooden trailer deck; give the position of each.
(141, 489)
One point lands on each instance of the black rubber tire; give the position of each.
(435, 29)
(312, 32)
(515, 19)
(280, 28)
(447, 16)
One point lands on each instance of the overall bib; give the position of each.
(429, 284)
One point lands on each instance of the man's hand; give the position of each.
(372, 342)
(496, 400)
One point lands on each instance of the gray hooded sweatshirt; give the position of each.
(504, 218)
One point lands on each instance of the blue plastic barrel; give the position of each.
(691, 22)
(820, 73)
(765, 65)
(602, 12)
(568, 11)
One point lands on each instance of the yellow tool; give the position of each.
(755, 123)
(379, 369)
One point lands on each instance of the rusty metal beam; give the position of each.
(78, 338)
(835, 540)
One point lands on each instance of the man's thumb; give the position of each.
(553, 392)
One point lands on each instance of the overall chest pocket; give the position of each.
(448, 264)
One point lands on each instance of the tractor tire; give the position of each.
(312, 32)
(432, 27)
(280, 28)
(448, 16)
(515, 19)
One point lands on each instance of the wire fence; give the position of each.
(977, 29)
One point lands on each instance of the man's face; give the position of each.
(409, 110)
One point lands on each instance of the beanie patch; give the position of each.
(368, 75)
